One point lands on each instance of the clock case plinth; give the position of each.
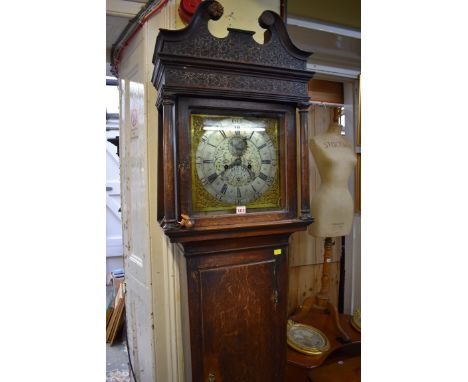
(236, 264)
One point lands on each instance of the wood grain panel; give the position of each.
(302, 249)
(326, 91)
(238, 298)
(238, 304)
(304, 281)
(308, 250)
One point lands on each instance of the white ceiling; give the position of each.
(118, 14)
(329, 48)
(114, 26)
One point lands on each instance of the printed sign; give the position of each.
(241, 210)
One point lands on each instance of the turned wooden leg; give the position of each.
(323, 296)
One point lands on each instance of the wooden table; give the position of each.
(338, 368)
(300, 365)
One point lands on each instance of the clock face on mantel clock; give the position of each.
(235, 162)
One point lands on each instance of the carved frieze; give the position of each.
(204, 79)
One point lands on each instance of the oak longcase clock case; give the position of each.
(233, 186)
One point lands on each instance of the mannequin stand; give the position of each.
(318, 309)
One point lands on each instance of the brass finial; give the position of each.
(186, 221)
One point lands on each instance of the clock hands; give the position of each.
(235, 166)
(238, 164)
(238, 147)
(251, 173)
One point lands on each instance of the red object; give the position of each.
(187, 9)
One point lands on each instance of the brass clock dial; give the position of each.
(236, 158)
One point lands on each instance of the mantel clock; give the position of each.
(233, 186)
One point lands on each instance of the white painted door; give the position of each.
(114, 247)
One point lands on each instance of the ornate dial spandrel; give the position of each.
(235, 161)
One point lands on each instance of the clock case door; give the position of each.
(237, 297)
(285, 114)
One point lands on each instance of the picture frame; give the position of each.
(306, 339)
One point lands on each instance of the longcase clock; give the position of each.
(230, 158)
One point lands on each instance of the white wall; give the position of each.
(114, 245)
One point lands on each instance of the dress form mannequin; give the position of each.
(332, 205)
(332, 208)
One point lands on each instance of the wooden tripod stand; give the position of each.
(318, 309)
